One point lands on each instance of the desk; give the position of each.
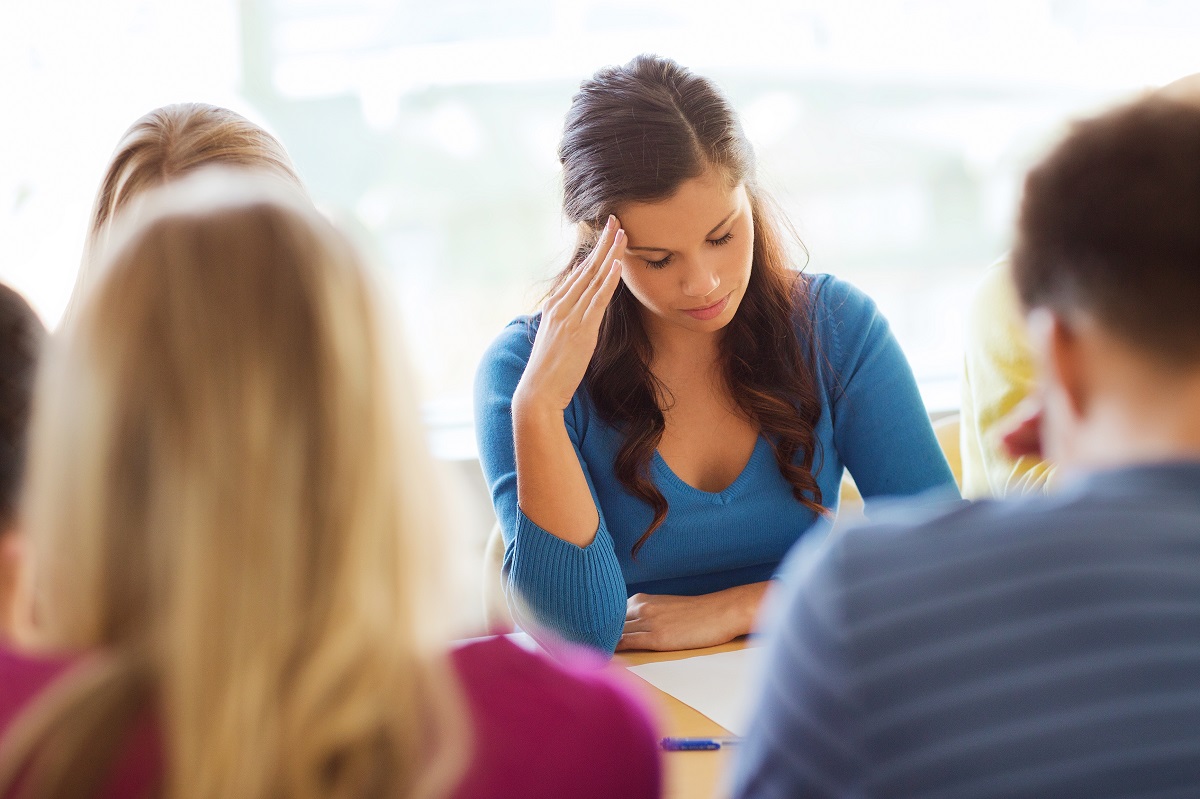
(688, 775)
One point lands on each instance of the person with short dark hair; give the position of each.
(1046, 646)
(21, 338)
(999, 455)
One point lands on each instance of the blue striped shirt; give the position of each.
(1040, 647)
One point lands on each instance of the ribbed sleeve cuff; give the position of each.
(576, 593)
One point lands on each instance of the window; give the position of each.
(894, 133)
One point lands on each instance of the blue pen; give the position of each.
(696, 744)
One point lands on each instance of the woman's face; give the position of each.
(688, 258)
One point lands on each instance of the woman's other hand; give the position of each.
(665, 623)
(570, 326)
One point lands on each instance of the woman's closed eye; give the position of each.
(659, 264)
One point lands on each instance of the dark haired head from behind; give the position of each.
(635, 134)
(1110, 228)
(1107, 265)
(21, 339)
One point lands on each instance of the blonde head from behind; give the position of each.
(168, 143)
(229, 497)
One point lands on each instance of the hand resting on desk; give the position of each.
(664, 622)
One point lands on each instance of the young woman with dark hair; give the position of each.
(682, 409)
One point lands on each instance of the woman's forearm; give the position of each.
(551, 488)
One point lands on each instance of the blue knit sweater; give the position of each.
(872, 423)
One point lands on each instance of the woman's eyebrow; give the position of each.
(721, 224)
(717, 227)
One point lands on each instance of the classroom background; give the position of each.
(894, 134)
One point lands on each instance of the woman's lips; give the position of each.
(709, 311)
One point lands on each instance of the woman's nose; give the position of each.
(700, 281)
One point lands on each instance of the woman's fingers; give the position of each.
(589, 279)
(636, 640)
(634, 631)
(596, 261)
(571, 287)
(633, 606)
(604, 294)
(603, 273)
(566, 339)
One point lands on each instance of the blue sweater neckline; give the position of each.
(669, 478)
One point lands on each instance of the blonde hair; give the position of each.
(229, 500)
(168, 143)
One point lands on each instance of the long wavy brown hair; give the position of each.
(635, 133)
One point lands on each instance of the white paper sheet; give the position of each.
(719, 686)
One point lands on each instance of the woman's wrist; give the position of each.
(536, 422)
(743, 607)
(529, 403)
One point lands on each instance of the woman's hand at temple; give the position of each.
(551, 487)
(570, 326)
(663, 622)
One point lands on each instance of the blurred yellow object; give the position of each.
(997, 374)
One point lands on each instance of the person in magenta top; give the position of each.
(518, 702)
(234, 546)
